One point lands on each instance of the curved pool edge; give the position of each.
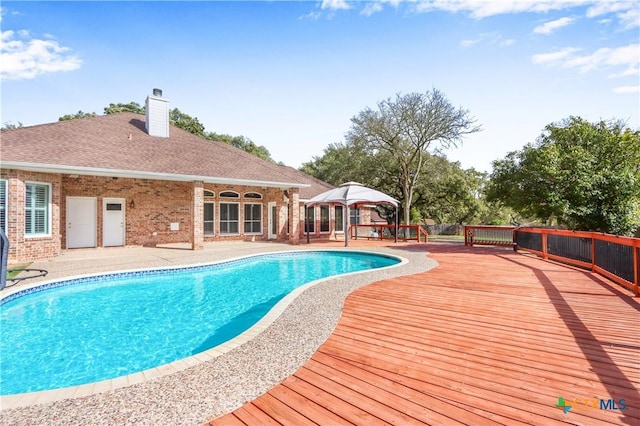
(47, 396)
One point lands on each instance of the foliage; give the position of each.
(444, 192)
(79, 114)
(405, 129)
(242, 143)
(183, 121)
(8, 125)
(578, 174)
(130, 107)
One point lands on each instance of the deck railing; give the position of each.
(612, 256)
(387, 232)
(488, 235)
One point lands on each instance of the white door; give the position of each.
(113, 222)
(272, 220)
(82, 220)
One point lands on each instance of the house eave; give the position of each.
(135, 174)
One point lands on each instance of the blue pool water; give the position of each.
(96, 328)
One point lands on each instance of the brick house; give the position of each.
(128, 179)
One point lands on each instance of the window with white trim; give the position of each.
(208, 193)
(209, 219)
(3, 205)
(339, 219)
(253, 195)
(310, 220)
(324, 219)
(229, 218)
(252, 218)
(37, 209)
(229, 194)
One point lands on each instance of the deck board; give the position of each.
(488, 337)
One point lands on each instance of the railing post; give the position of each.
(636, 270)
(545, 255)
(514, 236)
(593, 253)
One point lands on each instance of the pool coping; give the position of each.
(84, 390)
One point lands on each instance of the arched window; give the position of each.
(253, 195)
(208, 193)
(229, 194)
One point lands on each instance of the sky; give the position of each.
(291, 75)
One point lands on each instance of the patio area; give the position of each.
(487, 336)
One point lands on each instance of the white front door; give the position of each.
(82, 220)
(272, 221)
(113, 222)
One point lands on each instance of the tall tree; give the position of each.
(79, 114)
(579, 174)
(407, 128)
(243, 143)
(185, 122)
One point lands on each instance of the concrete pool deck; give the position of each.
(193, 391)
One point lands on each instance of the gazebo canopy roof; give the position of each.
(350, 193)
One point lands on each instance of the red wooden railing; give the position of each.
(488, 235)
(612, 256)
(386, 232)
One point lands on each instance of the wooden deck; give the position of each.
(487, 337)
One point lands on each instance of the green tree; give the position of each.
(242, 143)
(79, 114)
(130, 107)
(578, 174)
(8, 125)
(185, 122)
(407, 128)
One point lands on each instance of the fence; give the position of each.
(612, 256)
(387, 232)
(488, 235)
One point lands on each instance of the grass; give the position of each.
(14, 271)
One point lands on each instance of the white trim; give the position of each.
(213, 234)
(6, 205)
(122, 202)
(48, 234)
(229, 191)
(134, 174)
(220, 218)
(94, 218)
(244, 219)
(272, 219)
(328, 231)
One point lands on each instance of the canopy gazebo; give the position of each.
(352, 194)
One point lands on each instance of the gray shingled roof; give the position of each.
(118, 144)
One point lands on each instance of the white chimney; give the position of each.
(157, 122)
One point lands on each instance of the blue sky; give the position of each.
(291, 75)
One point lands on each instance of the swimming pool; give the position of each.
(85, 330)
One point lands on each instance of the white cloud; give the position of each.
(23, 58)
(627, 89)
(482, 9)
(551, 26)
(626, 58)
(371, 8)
(627, 12)
(543, 58)
(335, 4)
(488, 38)
(469, 43)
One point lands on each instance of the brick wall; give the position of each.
(23, 248)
